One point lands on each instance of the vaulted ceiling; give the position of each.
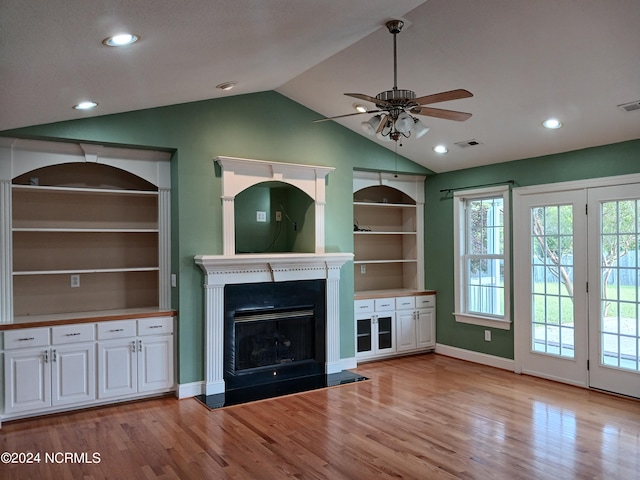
(524, 61)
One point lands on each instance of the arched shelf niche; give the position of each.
(239, 174)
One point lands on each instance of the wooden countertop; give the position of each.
(84, 317)
(391, 293)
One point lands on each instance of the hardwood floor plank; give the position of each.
(420, 417)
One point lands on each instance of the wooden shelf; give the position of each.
(107, 236)
(389, 247)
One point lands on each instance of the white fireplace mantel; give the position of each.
(221, 270)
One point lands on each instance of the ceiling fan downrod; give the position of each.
(395, 26)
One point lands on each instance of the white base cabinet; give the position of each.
(375, 328)
(394, 325)
(134, 357)
(49, 369)
(416, 325)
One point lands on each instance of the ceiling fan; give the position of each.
(397, 107)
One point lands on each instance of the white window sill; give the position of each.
(502, 323)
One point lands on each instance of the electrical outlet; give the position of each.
(363, 269)
(487, 335)
(75, 281)
(261, 216)
(174, 280)
(278, 216)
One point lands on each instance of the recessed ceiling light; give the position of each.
(121, 40)
(226, 85)
(85, 105)
(552, 123)
(360, 108)
(440, 149)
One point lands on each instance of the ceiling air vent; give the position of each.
(629, 107)
(468, 143)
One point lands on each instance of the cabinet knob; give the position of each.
(55, 356)
(155, 326)
(26, 339)
(72, 334)
(117, 330)
(133, 346)
(46, 356)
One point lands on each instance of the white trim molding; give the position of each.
(238, 174)
(476, 357)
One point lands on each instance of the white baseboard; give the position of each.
(348, 363)
(476, 357)
(186, 390)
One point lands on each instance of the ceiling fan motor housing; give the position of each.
(396, 97)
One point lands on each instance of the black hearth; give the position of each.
(273, 332)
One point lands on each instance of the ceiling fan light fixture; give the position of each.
(419, 128)
(360, 108)
(371, 125)
(404, 123)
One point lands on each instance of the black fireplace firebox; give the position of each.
(273, 332)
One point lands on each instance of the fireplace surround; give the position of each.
(230, 268)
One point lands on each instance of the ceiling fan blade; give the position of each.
(443, 96)
(441, 113)
(382, 124)
(345, 115)
(368, 98)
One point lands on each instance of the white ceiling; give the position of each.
(523, 60)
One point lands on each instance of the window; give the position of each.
(481, 243)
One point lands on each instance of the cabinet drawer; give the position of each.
(384, 304)
(363, 306)
(426, 301)
(26, 338)
(116, 329)
(83, 332)
(155, 326)
(405, 303)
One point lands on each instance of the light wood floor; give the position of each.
(420, 417)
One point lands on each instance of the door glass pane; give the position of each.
(552, 310)
(364, 335)
(384, 332)
(619, 274)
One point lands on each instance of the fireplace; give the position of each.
(267, 276)
(273, 332)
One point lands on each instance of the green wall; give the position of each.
(263, 126)
(617, 159)
(268, 126)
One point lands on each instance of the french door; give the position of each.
(614, 298)
(551, 321)
(576, 290)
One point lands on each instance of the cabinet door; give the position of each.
(406, 323)
(117, 368)
(155, 363)
(27, 377)
(426, 328)
(364, 335)
(385, 333)
(73, 374)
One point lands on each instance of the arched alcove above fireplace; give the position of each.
(238, 174)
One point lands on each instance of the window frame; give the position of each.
(461, 228)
